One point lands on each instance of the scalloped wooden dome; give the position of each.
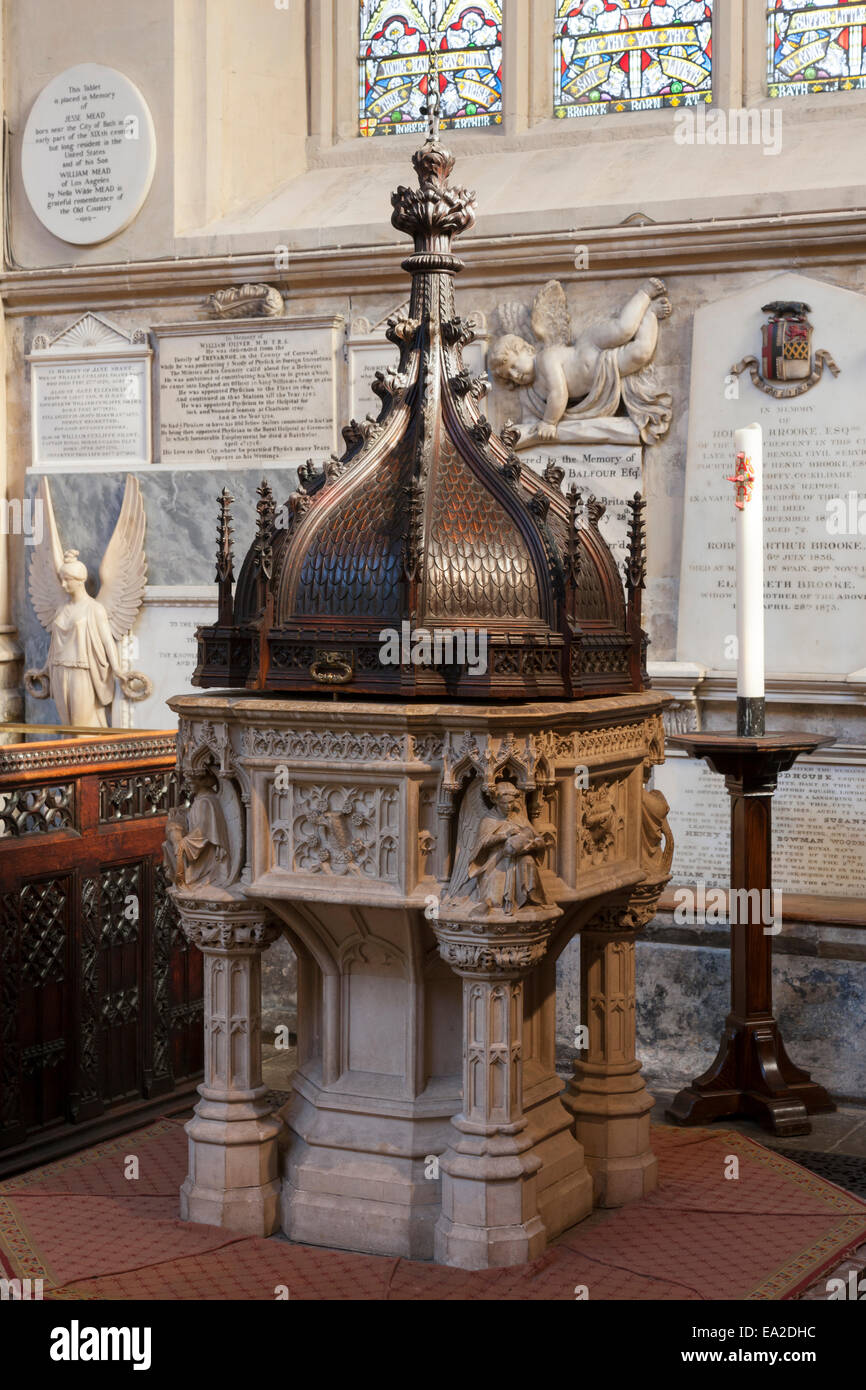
(428, 518)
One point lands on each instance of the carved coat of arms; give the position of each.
(787, 366)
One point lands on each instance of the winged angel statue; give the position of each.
(496, 861)
(83, 659)
(595, 387)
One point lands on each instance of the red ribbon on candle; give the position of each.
(744, 480)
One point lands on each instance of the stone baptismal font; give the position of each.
(429, 772)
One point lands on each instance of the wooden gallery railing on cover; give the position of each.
(100, 995)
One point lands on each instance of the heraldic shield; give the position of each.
(787, 342)
(786, 352)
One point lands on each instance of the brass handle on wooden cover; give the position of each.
(332, 668)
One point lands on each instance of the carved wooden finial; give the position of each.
(225, 558)
(265, 520)
(635, 566)
(635, 581)
(595, 510)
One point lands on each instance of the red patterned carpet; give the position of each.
(91, 1233)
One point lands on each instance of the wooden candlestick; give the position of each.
(752, 1074)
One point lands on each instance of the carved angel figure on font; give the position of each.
(83, 659)
(196, 849)
(657, 845)
(572, 386)
(498, 851)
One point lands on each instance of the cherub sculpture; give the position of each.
(83, 660)
(196, 852)
(593, 388)
(496, 866)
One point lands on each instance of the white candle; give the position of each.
(749, 502)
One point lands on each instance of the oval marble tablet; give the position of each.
(88, 154)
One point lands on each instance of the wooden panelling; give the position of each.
(100, 995)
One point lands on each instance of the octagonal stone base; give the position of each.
(564, 1180)
(490, 1203)
(614, 1129)
(233, 1180)
(361, 1172)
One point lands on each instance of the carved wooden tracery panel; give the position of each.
(100, 1002)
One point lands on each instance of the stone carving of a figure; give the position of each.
(196, 852)
(657, 845)
(572, 386)
(83, 659)
(496, 865)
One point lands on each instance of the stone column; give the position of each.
(564, 1183)
(489, 1172)
(607, 1094)
(233, 1174)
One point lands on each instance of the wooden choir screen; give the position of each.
(100, 995)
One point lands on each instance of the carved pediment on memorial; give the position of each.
(425, 561)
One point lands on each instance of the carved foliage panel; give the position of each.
(140, 794)
(602, 824)
(337, 829)
(351, 745)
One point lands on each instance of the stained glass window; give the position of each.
(815, 47)
(631, 55)
(398, 38)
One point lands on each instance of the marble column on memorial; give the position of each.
(607, 1094)
(233, 1136)
(11, 706)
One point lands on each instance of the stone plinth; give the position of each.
(350, 813)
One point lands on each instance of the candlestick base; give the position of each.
(752, 1075)
(750, 716)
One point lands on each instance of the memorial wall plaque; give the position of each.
(814, 480)
(248, 392)
(90, 397)
(88, 154)
(163, 646)
(611, 472)
(819, 830)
